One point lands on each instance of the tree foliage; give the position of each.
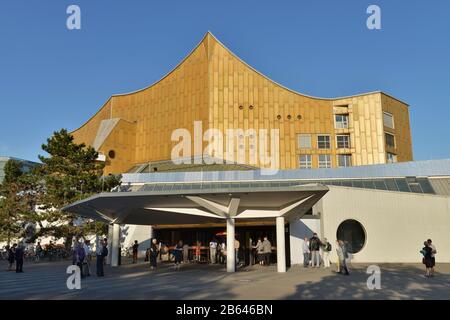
(69, 172)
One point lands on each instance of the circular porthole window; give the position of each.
(278, 117)
(289, 117)
(353, 234)
(111, 154)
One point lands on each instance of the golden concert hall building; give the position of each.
(214, 86)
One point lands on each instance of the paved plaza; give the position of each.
(48, 281)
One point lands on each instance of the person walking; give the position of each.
(342, 253)
(213, 250)
(326, 249)
(11, 255)
(433, 255)
(178, 254)
(19, 254)
(154, 251)
(267, 251)
(427, 260)
(314, 248)
(135, 251)
(101, 254)
(306, 252)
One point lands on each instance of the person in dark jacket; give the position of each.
(178, 254)
(11, 256)
(20, 252)
(314, 248)
(427, 252)
(154, 251)
(135, 251)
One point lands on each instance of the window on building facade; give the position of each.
(343, 141)
(341, 121)
(391, 158)
(304, 141)
(390, 140)
(305, 161)
(344, 160)
(353, 234)
(323, 142)
(324, 161)
(388, 120)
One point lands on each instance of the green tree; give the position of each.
(69, 173)
(14, 201)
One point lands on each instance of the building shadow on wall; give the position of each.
(397, 282)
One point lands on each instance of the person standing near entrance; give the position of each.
(186, 253)
(213, 250)
(267, 251)
(314, 247)
(20, 252)
(306, 252)
(259, 252)
(101, 253)
(326, 249)
(237, 245)
(135, 251)
(153, 254)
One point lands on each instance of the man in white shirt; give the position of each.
(433, 255)
(213, 250)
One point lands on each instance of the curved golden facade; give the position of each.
(214, 86)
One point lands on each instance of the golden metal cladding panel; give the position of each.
(214, 86)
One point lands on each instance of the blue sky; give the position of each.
(52, 78)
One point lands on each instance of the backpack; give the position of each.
(328, 248)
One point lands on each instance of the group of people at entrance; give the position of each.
(317, 252)
(217, 253)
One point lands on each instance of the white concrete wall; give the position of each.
(396, 223)
(299, 229)
(130, 233)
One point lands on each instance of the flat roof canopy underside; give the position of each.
(195, 207)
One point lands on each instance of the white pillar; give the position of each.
(110, 241)
(281, 246)
(115, 245)
(231, 263)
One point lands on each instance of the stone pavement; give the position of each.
(398, 281)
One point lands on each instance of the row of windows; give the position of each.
(343, 160)
(323, 141)
(341, 120)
